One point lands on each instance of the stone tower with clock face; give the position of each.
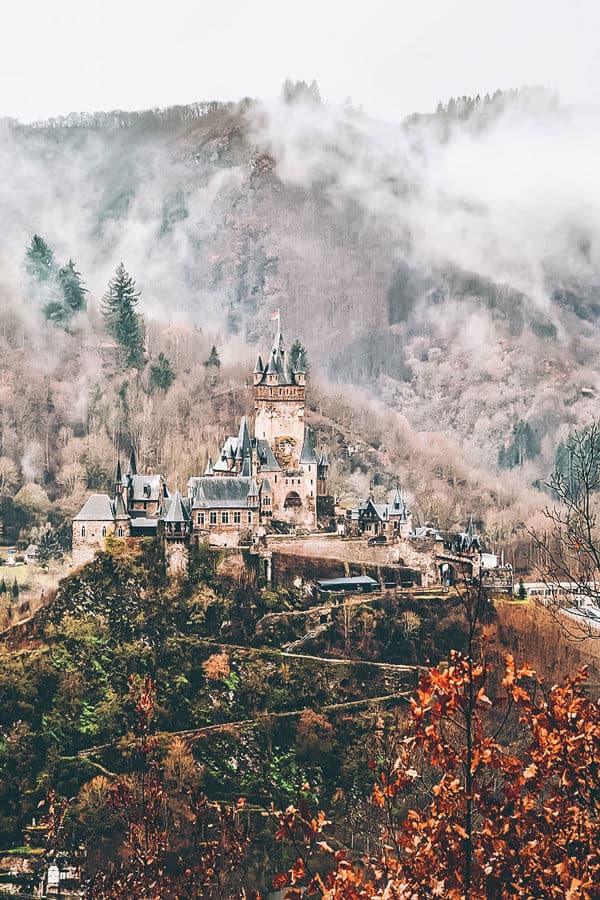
(279, 397)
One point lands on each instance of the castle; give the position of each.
(275, 476)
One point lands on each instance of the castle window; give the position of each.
(237, 518)
(83, 531)
(249, 517)
(104, 531)
(200, 518)
(120, 531)
(225, 518)
(213, 518)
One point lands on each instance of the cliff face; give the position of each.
(445, 263)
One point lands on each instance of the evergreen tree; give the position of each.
(122, 321)
(162, 375)
(15, 590)
(522, 593)
(213, 361)
(49, 545)
(524, 446)
(299, 357)
(39, 260)
(3, 587)
(54, 308)
(72, 287)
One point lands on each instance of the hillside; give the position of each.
(464, 302)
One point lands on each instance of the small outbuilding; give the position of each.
(360, 584)
(32, 555)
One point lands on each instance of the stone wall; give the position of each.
(177, 558)
(86, 546)
(300, 482)
(286, 567)
(402, 553)
(282, 425)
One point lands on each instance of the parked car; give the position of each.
(377, 539)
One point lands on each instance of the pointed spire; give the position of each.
(308, 455)
(246, 467)
(118, 473)
(259, 368)
(132, 463)
(209, 467)
(244, 442)
(177, 511)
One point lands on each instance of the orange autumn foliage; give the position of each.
(467, 815)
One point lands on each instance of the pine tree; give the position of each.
(39, 260)
(213, 361)
(162, 375)
(3, 587)
(299, 357)
(122, 321)
(15, 590)
(73, 288)
(49, 546)
(522, 593)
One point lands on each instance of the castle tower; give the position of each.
(279, 397)
(177, 524)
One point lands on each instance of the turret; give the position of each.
(259, 370)
(132, 463)
(272, 374)
(118, 478)
(252, 497)
(323, 467)
(177, 519)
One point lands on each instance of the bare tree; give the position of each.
(566, 555)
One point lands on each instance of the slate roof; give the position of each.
(221, 493)
(143, 527)
(355, 581)
(266, 457)
(177, 509)
(146, 487)
(308, 456)
(132, 463)
(385, 511)
(278, 363)
(97, 508)
(119, 507)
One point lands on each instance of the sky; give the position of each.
(390, 56)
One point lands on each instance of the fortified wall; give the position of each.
(331, 557)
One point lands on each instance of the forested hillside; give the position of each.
(445, 265)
